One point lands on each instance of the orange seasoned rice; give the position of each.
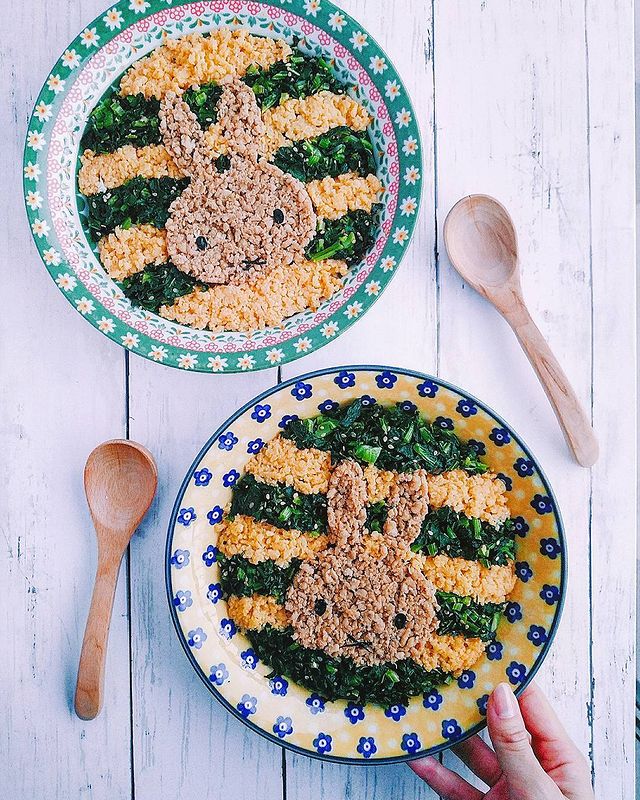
(481, 496)
(108, 170)
(471, 578)
(280, 461)
(334, 197)
(128, 250)
(254, 613)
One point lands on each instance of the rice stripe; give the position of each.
(280, 461)
(129, 250)
(260, 541)
(109, 170)
(334, 197)
(470, 578)
(257, 611)
(480, 496)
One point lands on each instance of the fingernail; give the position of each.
(504, 701)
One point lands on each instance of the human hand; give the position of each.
(534, 757)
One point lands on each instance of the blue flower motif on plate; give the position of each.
(367, 400)
(186, 516)
(202, 477)
(210, 555)
(479, 448)
(524, 467)
(433, 700)
(367, 746)
(227, 628)
(407, 405)
(508, 482)
(500, 436)
(278, 685)
(322, 743)
(450, 729)
(218, 674)
(542, 504)
(537, 635)
(214, 592)
(550, 548)
(249, 659)
(315, 703)
(481, 702)
(516, 673)
(494, 651)
(301, 390)
(513, 612)
(466, 408)
(247, 705)
(255, 446)
(520, 526)
(261, 413)
(227, 441)
(283, 727)
(523, 571)
(345, 379)
(467, 679)
(395, 712)
(444, 422)
(179, 559)
(215, 515)
(354, 713)
(183, 600)
(410, 743)
(550, 594)
(386, 380)
(287, 419)
(230, 478)
(427, 388)
(327, 406)
(196, 638)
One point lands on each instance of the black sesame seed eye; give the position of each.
(320, 606)
(278, 216)
(201, 243)
(400, 620)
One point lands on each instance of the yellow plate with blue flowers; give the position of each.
(231, 660)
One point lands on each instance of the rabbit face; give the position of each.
(239, 218)
(368, 598)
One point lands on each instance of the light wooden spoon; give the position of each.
(481, 241)
(120, 480)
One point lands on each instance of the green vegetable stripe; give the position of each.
(349, 237)
(117, 121)
(140, 200)
(279, 505)
(298, 77)
(334, 153)
(133, 119)
(464, 616)
(157, 285)
(447, 532)
(391, 437)
(376, 517)
(340, 678)
(240, 578)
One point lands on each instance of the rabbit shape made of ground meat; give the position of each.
(366, 596)
(238, 216)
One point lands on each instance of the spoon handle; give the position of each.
(90, 684)
(572, 418)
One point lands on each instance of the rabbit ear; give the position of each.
(239, 119)
(182, 135)
(407, 506)
(346, 504)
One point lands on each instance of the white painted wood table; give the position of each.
(531, 101)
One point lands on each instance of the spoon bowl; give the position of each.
(482, 244)
(120, 480)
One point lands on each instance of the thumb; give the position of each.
(524, 776)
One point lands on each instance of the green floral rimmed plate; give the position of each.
(98, 57)
(285, 712)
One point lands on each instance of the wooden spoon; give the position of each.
(481, 241)
(120, 480)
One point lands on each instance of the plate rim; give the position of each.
(346, 760)
(369, 301)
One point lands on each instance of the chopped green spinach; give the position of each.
(157, 285)
(203, 101)
(376, 517)
(279, 505)
(298, 77)
(464, 616)
(121, 120)
(240, 578)
(140, 200)
(340, 678)
(349, 237)
(334, 153)
(451, 533)
(407, 442)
